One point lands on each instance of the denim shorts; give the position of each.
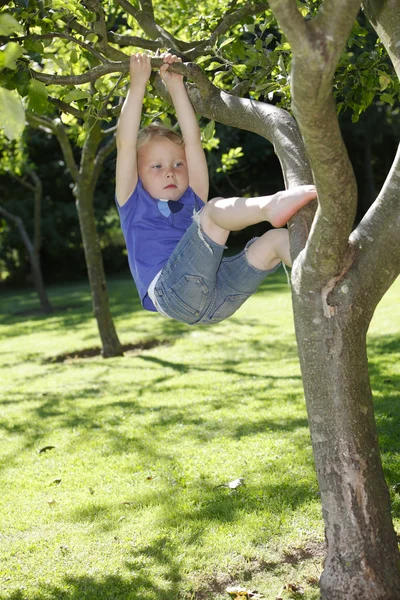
(198, 285)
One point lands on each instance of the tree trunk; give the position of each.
(34, 260)
(111, 345)
(39, 284)
(362, 560)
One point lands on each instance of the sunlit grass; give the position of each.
(131, 502)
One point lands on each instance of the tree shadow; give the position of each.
(385, 384)
(110, 587)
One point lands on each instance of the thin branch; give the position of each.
(21, 228)
(73, 24)
(99, 24)
(65, 36)
(99, 27)
(377, 240)
(147, 7)
(67, 108)
(38, 194)
(385, 18)
(22, 181)
(145, 20)
(291, 22)
(87, 77)
(101, 156)
(57, 129)
(194, 50)
(104, 111)
(95, 73)
(131, 40)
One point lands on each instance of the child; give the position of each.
(175, 238)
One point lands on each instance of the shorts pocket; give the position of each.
(230, 305)
(190, 293)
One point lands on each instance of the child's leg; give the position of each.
(222, 215)
(269, 250)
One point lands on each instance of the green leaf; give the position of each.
(60, 63)
(208, 131)
(384, 80)
(73, 56)
(76, 95)
(33, 46)
(9, 25)
(387, 98)
(227, 42)
(268, 39)
(239, 69)
(219, 77)
(12, 114)
(37, 93)
(214, 65)
(9, 56)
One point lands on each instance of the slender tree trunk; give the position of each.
(39, 284)
(362, 560)
(111, 345)
(34, 260)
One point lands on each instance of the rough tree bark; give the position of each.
(338, 279)
(85, 179)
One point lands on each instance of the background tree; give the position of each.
(340, 271)
(32, 247)
(85, 178)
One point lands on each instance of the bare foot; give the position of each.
(283, 205)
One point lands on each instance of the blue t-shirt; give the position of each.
(152, 228)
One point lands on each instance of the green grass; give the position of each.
(130, 503)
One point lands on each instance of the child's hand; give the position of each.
(167, 76)
(140, 68)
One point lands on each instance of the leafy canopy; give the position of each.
(68, 58)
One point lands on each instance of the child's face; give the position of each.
(163, 170)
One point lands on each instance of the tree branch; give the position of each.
(89, 156)
(315, 56)
(67, 108)
(101, 156)
(131, 40)
(89, 76)
(273, 123)
(193, 51)
(145, 20)
(21, 228)
(99, 27)
(57, 129)
(377, 241)
(292, 23)
(385, 18)
(95, 73)
(64, 36)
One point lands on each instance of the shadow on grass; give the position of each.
(111, 587)
(384, 353)
(73, 304)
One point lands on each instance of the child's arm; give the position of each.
(128, 127)
(195, 157)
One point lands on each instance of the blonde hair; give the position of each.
(158, 132)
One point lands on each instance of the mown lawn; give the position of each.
(129, 500)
